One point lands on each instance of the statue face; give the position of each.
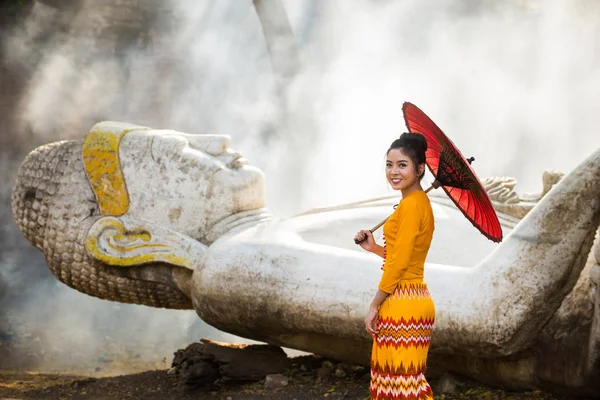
(187, 182)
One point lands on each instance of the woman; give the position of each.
(401, 315)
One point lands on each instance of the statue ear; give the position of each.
(126, 242)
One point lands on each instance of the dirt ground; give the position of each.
(158, 384)
(30, 369)
(33, 367)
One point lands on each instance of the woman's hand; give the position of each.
(371, 321)
(365, 239)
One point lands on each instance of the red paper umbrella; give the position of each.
(454, 174)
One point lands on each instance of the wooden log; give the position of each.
(204, 365)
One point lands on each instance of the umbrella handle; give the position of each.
(373, 229)
(435, 185)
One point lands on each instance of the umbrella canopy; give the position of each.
(454, 174)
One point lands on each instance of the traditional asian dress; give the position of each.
(406, 317)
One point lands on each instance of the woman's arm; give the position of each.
(371, 319)
(379, 250)
(379, 298)
(367, 242)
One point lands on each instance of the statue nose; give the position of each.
(214, 145)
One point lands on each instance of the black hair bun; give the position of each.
(414, 144)
(414, 140)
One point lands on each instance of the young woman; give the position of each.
(402, 314)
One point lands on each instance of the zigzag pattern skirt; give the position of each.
(400, 348)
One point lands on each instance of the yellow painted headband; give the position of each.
(100, 153)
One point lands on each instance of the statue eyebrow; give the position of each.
(206, 143)
(160, 148)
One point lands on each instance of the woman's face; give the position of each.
(400, 171)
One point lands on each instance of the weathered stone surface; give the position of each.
(196, 233)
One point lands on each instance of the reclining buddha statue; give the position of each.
(174, 220)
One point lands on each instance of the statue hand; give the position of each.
(365, 239)
(371, 322)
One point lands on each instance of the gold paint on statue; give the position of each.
(130, 247)
(103, 168)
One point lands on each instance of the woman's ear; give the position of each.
(125, 242)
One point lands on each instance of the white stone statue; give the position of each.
(168, 219)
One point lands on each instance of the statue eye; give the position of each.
(168, 147)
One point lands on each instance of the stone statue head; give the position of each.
(128, 196)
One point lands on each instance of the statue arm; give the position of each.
(509, 297)
(494, 309)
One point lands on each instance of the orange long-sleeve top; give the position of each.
(407, 234)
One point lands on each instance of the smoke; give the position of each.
(78, 74)
(512, 83)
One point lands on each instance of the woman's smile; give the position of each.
(395, 181)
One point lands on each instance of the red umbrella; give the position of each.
(454, 174)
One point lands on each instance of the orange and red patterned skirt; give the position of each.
(400, 348)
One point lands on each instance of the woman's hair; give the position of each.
(413, 145)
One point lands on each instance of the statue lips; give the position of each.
(238, 161)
